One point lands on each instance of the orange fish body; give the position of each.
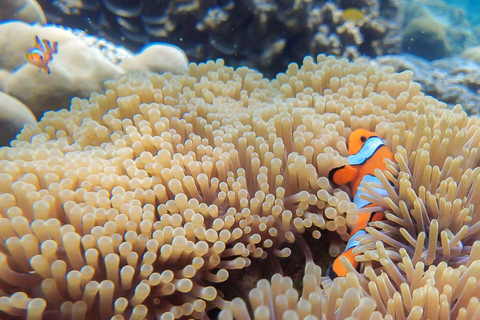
(366, 152)
(41, 53)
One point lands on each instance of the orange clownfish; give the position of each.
(366, 152)
(41, 53)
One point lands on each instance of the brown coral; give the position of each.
(136, 202)
(262, 34)
(13, 116)
(423, 33)
(23, 10)
(80, 66)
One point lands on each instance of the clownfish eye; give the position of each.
(363, 138)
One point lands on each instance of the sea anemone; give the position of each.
(137, 202)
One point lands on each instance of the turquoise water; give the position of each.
(471, 8)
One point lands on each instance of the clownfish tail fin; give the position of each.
(337, 269)
(342, 175)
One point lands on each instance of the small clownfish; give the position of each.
(41, 53)
(366, 152)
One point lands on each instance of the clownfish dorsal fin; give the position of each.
(39, 44)
(55, 47)
(46, 44)
(343, 175)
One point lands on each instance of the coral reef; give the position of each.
(22, 10)
(425, 37)
(266, 35)
(80, 67)
(472, 53)
(138, 202)
(156, 57)
(449, 25)
(452, 80)
(13, 116)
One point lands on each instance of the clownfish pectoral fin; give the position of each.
(32, 57)
(343, 175)
(35, 57)
(46, 69)
(337, 269)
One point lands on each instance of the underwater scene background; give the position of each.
(239, 159)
